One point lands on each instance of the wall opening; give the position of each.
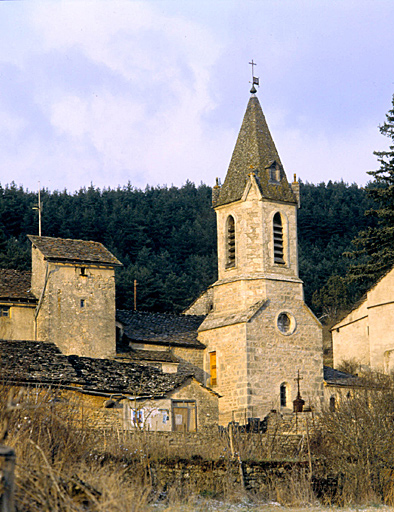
(184, 416)
(278, 239)
(283, 395)
(212, 368)
(230, 242)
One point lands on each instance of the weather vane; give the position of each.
(255, 80)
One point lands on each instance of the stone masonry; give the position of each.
(256, 354)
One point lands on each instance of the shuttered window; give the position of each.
(212, 368)
(230, 242)
(278, 239)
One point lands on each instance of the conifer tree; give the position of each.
(375, 245)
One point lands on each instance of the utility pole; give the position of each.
(39, 208)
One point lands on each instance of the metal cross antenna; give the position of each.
(253, 64)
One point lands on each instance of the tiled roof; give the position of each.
(15, 284)
(39, 362)
(81, 251)
(161, 328)
(254, 151)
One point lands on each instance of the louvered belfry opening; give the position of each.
(230, 242)
(278, 239)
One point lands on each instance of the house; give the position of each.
(111, 393)
(365, 334)
(58, 328)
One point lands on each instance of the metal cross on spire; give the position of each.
(255, 80)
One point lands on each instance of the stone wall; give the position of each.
(350, 338)
(19, 325)
(77, 312)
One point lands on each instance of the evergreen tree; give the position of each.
(375, 245)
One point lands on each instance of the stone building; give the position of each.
(258, 331)
(246, 337)
(365, 335)
(109, 393)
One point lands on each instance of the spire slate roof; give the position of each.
(81, 251)
(254, 147)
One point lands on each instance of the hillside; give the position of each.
(166, 236)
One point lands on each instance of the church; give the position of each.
(248, 344)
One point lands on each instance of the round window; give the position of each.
(286, 323)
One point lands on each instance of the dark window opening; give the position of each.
(284, 323)
(283, 397)
(83, 271)
(278, 239)
(332, 404)
(82, 303)
(230, 243)
(4, 311)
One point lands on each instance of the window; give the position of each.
(332, 403)
(83, 271)
(4, 311)
(274, 172)
(184, 416)
(82, 303)
(286, 323)
(278, 239)
(212, 368)
(283, 395)
(137, 418)
(230, 242)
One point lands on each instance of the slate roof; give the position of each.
(68, 250)
(15, 285)
(137, 355)
(42, 363)
(161, 328)
(213, 322)
(254, 147)
(35, 362)
(332, 376)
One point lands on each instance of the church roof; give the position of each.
(161, 328)
(254, 151)
(15, 285)
(68, 250)
(37, 362)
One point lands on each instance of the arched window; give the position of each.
(283, 395)
(230, 242)
(332, 404)
(278, 239)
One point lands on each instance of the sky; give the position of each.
(153, 92)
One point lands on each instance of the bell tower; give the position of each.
(259, 329)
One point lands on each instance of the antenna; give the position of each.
(39, 208)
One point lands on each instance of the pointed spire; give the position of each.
(255, 148)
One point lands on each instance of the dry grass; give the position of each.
(64, 466)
